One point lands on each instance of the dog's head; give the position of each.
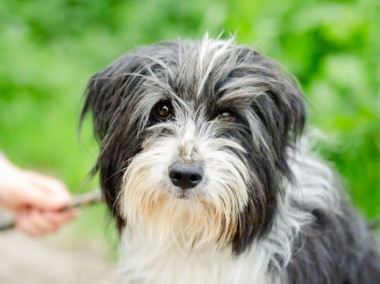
(193, 140)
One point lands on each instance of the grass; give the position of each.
(47, 57)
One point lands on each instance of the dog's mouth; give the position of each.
(180, 194)
(192, 194)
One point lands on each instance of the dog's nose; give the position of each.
(185, 176)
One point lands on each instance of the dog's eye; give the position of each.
(227, 114)
(163, 110)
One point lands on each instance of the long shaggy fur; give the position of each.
(266, 209)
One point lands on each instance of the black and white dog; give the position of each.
(202, 166)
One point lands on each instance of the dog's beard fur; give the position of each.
(203, 215)
(234, 114)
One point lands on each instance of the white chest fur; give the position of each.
(147, 263)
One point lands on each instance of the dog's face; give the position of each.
(193, 139)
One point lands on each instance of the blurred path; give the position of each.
(46, 261)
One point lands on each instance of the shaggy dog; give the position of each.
(203, 167)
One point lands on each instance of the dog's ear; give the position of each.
(280, 107)
(107, 98)
(100, 100)
(106, 92)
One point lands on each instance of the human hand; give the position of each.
(34, 198)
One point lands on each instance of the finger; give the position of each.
(25, 188)
(41, 222)
(23, 194)
(46, 193)
(53, 185)
(24, 224)
(37, 223)
(60, 218)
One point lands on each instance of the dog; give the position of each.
(206, 172)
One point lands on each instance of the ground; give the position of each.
(62, 258)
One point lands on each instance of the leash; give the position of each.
(79, 201)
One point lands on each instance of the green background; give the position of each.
(49, 49)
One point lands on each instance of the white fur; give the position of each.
(153, 205)
(209, 52)
(157, 251)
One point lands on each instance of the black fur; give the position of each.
(335, 249)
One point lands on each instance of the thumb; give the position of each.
(48, 193)
(46, 199)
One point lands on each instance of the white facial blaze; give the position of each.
(187, 141)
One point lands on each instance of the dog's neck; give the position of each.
(167, 262)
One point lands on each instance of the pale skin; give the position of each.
(35, 199)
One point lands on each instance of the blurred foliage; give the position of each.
(48, 50)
